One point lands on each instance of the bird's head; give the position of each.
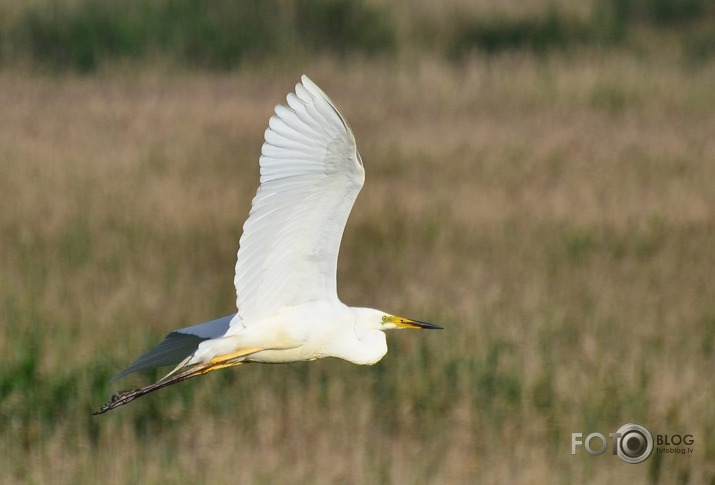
(369, 345)
(367, 318)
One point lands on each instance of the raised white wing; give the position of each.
(311, 174)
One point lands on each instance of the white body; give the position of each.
(305, 332)
(288, 306)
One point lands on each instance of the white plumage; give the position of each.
(311, 174)
(288, 307)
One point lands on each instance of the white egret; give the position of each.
(288, 307)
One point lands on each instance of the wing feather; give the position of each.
(311, 174)
(178, 345)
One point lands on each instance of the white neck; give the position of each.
(371, 347)
(364, 345)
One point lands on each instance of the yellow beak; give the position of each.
(409, 323)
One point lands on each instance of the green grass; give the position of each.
(84, 35)
(565, 241)
(217, 35)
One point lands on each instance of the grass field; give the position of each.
(555, 213)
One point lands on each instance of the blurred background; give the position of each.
(540, 182)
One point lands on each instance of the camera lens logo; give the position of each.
(634, 443)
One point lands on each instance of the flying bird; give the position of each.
(288, 306)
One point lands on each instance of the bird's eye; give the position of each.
(384, 318)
